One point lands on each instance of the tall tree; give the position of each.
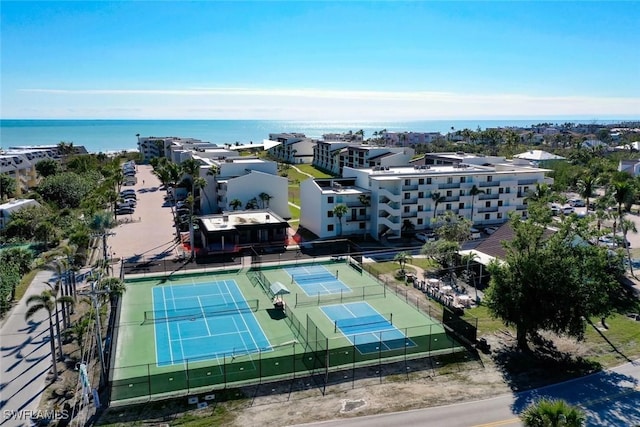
(402, 258)
(235, 204)
(473, 193)
(8, 186)
(551, 282)
(191, 167)
(339, 211)
(264, 198)
(437, 199)
(587, 187)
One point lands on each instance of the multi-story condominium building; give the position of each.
(166, 146)
(21, 165)
(241, 182)
(292, 147)
(410, 138)
(345, 137)
(320, 196)
(334, 156)
(483, 193)
(6, 209)
(451, 158)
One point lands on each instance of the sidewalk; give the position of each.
(25, 359)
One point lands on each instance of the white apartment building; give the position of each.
(292, 148)
(242, 179)
(409, 138)
(320, 196)
(335, 156)
(6, 209)
(400, 194)
(20, 164)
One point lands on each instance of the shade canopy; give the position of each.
(278, 288)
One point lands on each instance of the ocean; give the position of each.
(116, 135)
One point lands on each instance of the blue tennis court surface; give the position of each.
(316, 279)
(367, 329)
(234, 330)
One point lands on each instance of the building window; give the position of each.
(489, 178)
(499, 202)
(461, 192)
(407, 196)
(487, 204)
(487, 191)
(487, 216)
(508, 190)
(499, 216)
(406, 209)
(420, 221)
(329, 214)
(362, 225)
(428, 181)
(463, 179)
(450, 180)
(420, 208)
(330, 199)
(420, 194)
(460, 205)
(407, 182)
(448, 206)
(330, 227)
(500, 190)
(421, 181)
(363, 212)
(449, 193)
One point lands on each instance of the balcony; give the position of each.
(452, 199)
(448, 186)
(413, 187)
(488, 196)
(490, 209)
(527, 181)
(489, 184)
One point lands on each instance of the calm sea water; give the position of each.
(116, 135)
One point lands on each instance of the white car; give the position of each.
(475, 233)
(491, 229)
(426, 237)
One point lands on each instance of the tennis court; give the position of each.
(317, 280)
(367, 329)
(204, 321)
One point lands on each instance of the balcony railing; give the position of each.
(448, 186)
(485, 210)
(488, 196)
(489, 184)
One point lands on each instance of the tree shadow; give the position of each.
(608, 398)
(541, 366)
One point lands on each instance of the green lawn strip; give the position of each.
(295, 215)
(486, 324)
(310, 169)
(615, 345)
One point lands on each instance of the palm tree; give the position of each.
(365, 199)
(45, 302)
(402, 258)
(622, 193)
(191, 167)
(627, 226)
(235, 204)
(587, 187)
(437, 199)
(339, 211)
(264, 197)
(252, 204)
(474, 192)
(552, 413)
(64, 299)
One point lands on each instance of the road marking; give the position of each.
(500, 423)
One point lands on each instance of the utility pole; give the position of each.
(93, 294)
(105, 254)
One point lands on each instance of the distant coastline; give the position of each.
(118, 135)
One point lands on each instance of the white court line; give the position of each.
(164, 300)
(242, 339)
(243, 321)
(155, 332)
(204, 316)
(202, 295)
(210, 336)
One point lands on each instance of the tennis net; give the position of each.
(348, 325)
(311, 278)
(193, 313)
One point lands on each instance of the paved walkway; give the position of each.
(25, 359)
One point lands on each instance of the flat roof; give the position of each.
(231, 220)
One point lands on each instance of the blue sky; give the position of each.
(305, 60)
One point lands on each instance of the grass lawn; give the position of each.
(310, 169)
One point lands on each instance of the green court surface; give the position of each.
(303, 340)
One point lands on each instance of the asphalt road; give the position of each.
(609, 398)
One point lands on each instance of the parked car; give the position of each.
(128, 191)
(426, 237)
(475, 233)
(128, 203)
(567, 210)
(124, 211)
(617, 242)
(577, 203)
(129, 197)
(491, 229)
